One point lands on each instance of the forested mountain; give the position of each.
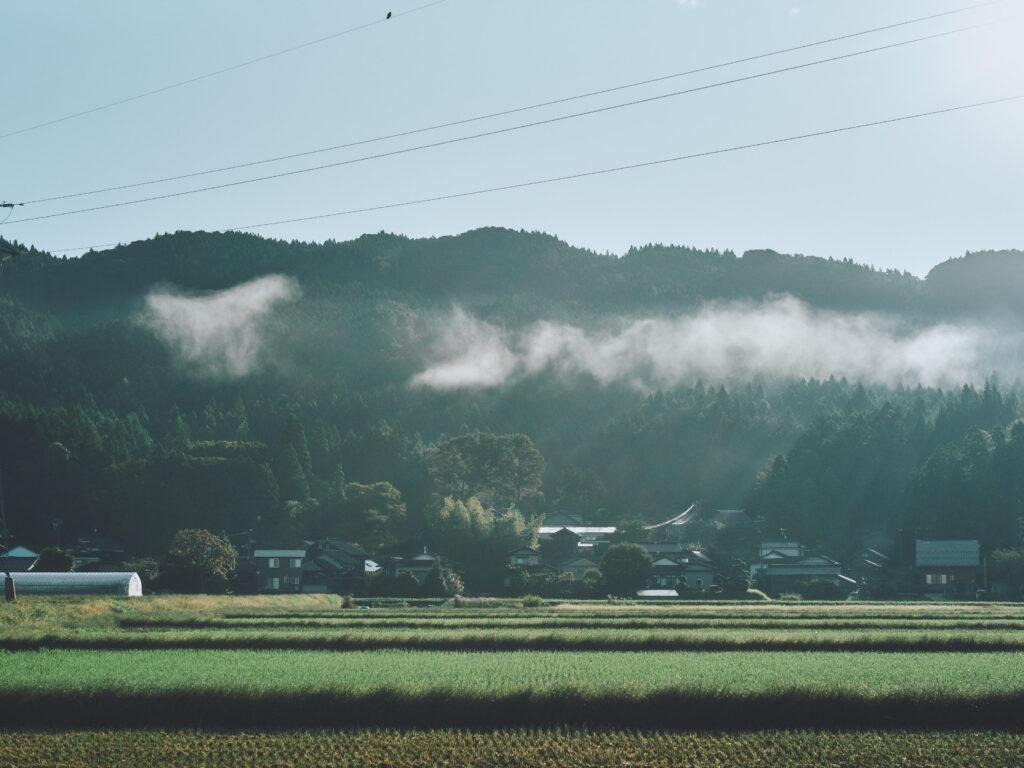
(142, 390)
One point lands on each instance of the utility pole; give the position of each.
(5, 533)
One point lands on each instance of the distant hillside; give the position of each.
(979, 282)
(513, 271)
(108, 422)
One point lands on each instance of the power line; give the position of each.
(605, 171)
(496, 131)
(511, 111)
(215, 73)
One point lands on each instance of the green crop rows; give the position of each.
(510, 748)
(567, 684)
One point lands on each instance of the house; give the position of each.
(673, 525)
(664, 549)
(115, 584)
(734, 520)
(417, 565)
(525, 557)
(558, 543)
(278, 571)
(562, 519)
(869, 566)
(559, 546)
(947, 567)
(97, 554)
(349, 555)
(784, 565)
(325, 575)
(578, 567)
(18, 559)
(675, 565)
(335, 566)
(528, 561)
(588, 534)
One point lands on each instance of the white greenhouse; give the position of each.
(115, 584)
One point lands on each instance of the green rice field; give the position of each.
(303, 681)
(511, 748)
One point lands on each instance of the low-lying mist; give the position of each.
(737, 341)
(221, 334)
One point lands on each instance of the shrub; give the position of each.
(405, 586)
(434, 585)
(198, 561)
(348, 602)
(625, 568)
(737, 582)
(455, 584)
(53, 560)
(533, 601)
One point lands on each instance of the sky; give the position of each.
(905, 196)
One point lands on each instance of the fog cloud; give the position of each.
(219, 334)
(782, 337)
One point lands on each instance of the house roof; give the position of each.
(657, 593)
(682, 518)
(957, 553)
(782, 558)
(673, 547)
(340, 545)
(696, 554)
(20, 552)
(817, 560)
(579, 530)
(525, 551)
(279, 553)
(665, 562)
(325, 562)
(419, 559)
(560, 519)
(577, 562)
(734, 518)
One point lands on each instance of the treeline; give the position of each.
(843, 463)
(959, 474)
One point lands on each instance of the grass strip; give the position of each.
(681, 691)
(457, 622)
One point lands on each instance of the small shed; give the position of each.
(113, 584)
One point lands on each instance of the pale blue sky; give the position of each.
(906, 196)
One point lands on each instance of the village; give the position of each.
(569, 560)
